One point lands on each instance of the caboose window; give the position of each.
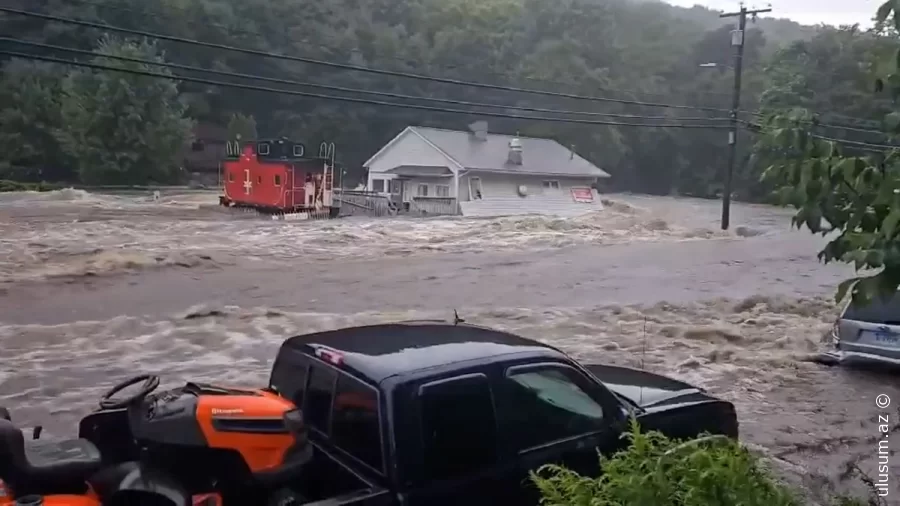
(230, 177)
(277, 179)
(262, 148)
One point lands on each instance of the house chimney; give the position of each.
(479, 130)
(515, 150)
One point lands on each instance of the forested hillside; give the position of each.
(63, 123)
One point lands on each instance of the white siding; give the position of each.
(507, 185)
(409, 150)
(432, 183)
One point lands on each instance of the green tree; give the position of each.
(242, 127)
(645, 51)
(29, 149)
(849, 190)
(121, 128)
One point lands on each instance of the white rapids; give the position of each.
(94, 288)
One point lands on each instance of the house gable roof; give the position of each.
(403, 134)
(539, 156)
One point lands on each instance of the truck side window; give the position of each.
(547, 404)
(459, 428)
(319, 395)
(289, 376)
(354, 424)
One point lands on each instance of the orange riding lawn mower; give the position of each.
(195, 445)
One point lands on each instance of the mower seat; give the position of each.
(44, 464)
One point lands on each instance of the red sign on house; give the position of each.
(582, 195)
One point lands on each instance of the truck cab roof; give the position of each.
(377, 352)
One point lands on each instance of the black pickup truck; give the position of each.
(434, 413)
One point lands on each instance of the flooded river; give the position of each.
(96, 288)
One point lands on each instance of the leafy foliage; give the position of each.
(654, 469)
(62, 124)
(29, 131)
(846, 189)
(242, 127)
(665, 472)
(647, 51)
(123, 128)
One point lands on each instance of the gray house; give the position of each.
(476, 173)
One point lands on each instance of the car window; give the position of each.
(548, 404)
(876, 311)
(355, 423)
(289, 376)
(459, 429)
(319, 395)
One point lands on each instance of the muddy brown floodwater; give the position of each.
(95, 288)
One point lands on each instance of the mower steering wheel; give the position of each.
(151, 381)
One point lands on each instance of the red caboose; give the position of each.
(275, 177)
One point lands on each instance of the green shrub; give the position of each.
(658, 471)
(16, 186)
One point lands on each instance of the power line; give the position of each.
(817, 123)
(235, 30)
(857, 144)
(850, 129)
(346, 66)
(403, 74)
(874, 147)
(342, 99)
(349, 90)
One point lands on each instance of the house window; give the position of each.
(230, 177)
(378, 185)
(277, 179)
(396, 186)
(442, 190)
(262, 148)
(422, 190)
(551, 184)
(454, 411)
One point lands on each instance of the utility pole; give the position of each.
(737, 40)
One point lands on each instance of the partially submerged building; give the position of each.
(477, 173)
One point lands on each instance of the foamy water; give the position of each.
(73, 233)
(537, 276)
(756, 352)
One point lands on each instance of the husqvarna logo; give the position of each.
(221, 411)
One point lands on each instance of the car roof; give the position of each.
(380, 351)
